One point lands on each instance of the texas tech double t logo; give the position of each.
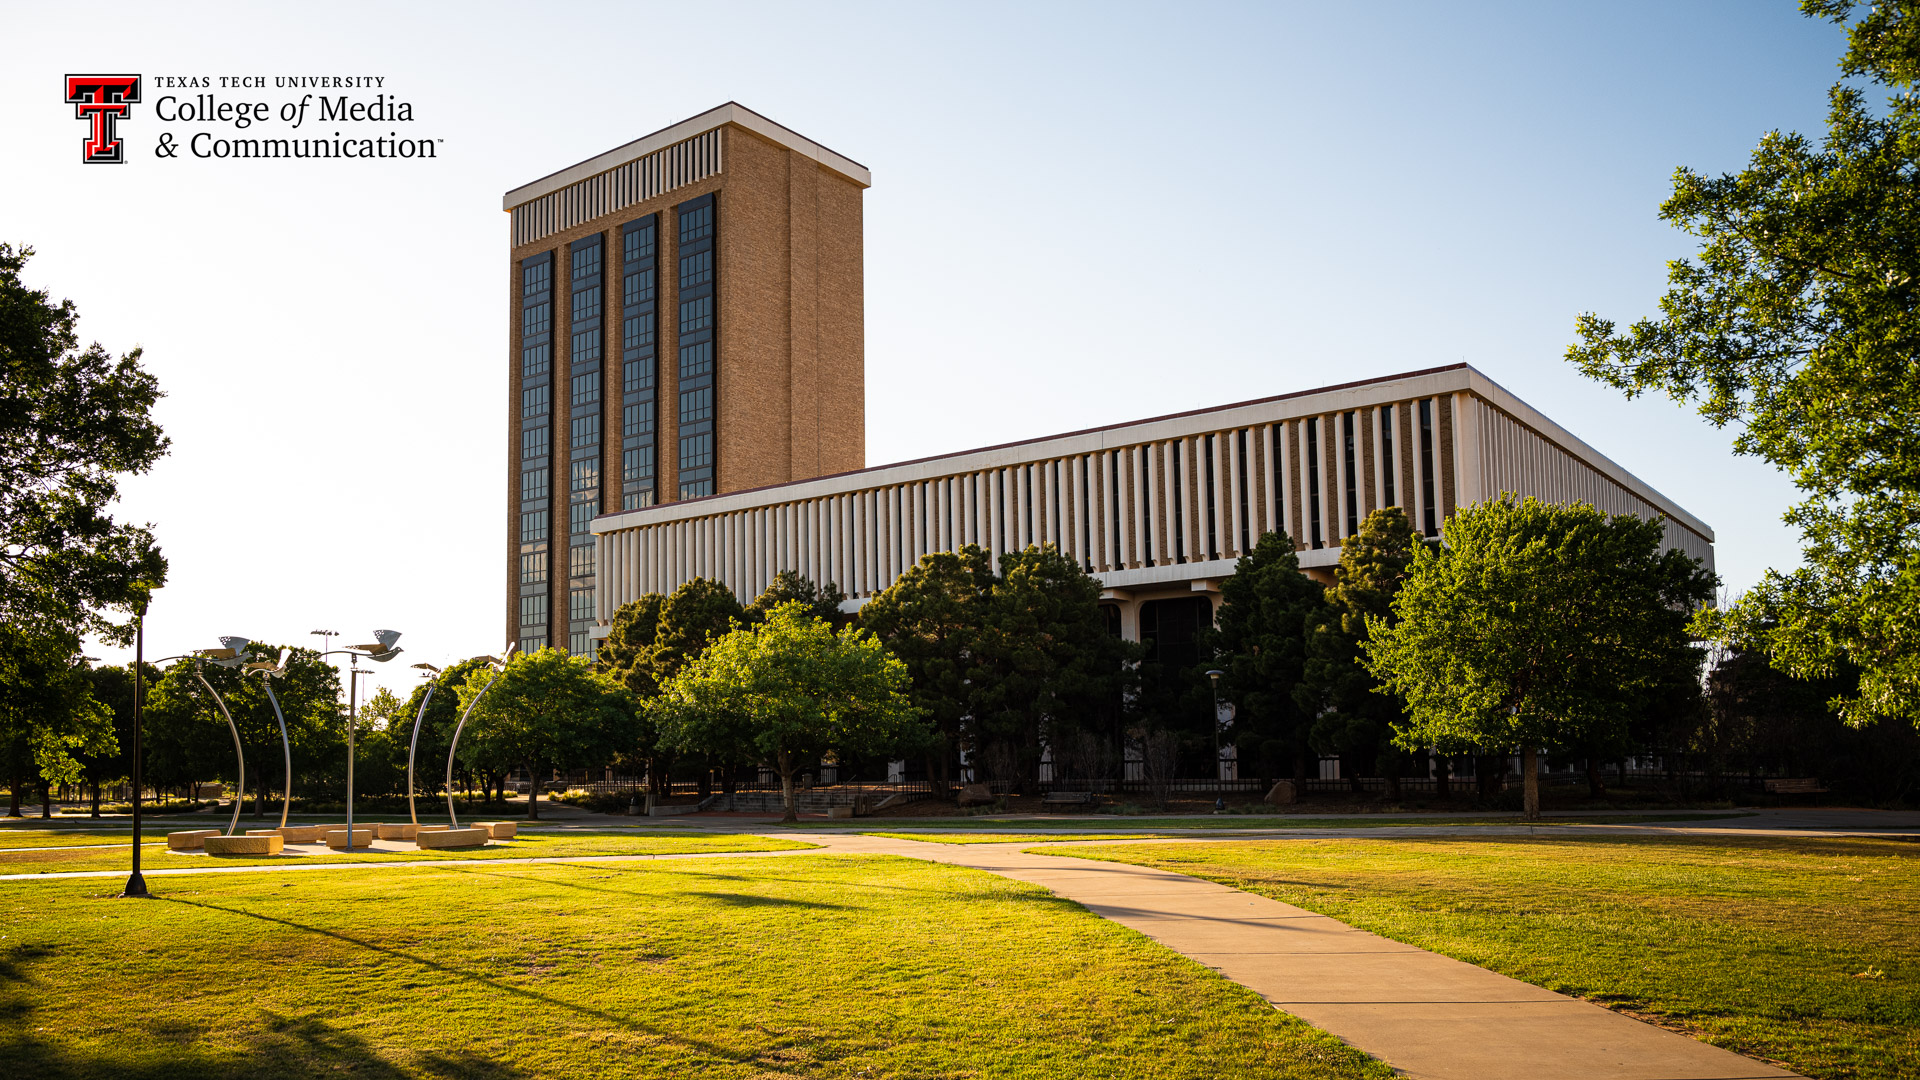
(101, 100)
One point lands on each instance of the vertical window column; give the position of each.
(1389, 460)
(1315, 538)
(639, 371)
(697, 333)
(1428, 525)
(583, 490)
(1350, 474)
(536, 446)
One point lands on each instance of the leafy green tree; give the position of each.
(112, 687)
(650, 640)
(1350, 718)
(932, 619)
(1798, 323)
(1046, 668)
(547, 711)
(49, 719)
(72, 421)
(822, 601)
(786, 692)
(1260, 642)
(1534, 625)
(436, 726)
(187, 738)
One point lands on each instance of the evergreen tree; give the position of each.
(1351, 718)
(1260, 640)
(821, 601)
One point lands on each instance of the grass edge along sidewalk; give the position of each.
(529, 845)
(1241, 822)
(476, 969)
(1795, 950)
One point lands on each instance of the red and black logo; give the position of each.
(101, 100)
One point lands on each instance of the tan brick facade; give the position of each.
(789, 398)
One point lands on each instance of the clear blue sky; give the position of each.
(1081, 213)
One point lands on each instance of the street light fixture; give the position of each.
(432, 675)
(381, 651)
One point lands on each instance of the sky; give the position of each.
(1080, 214)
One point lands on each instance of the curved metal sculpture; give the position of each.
(414, 744)
(269, 672)
(453, 817)
(240, 789)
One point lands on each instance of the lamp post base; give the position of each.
(136, 888)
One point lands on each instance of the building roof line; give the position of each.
(1066, 434)
(730, 113)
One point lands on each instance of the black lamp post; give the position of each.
(1213, 677)
(137, 885)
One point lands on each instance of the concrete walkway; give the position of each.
(1426, 1015)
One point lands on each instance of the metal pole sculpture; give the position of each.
(414, 744)
(453, 817)
(240, 788)
(268, 673)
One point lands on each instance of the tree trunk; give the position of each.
(13, 797)
(786, 786)
(96, 798)
(1530, 781)
(46, 799)
(533, 795)
(1596, 787)
(1442, 781)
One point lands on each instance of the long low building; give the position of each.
(1157, 509)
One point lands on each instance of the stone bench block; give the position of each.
(337, 838)
(296, 834)
(269, 843)
(839, 811)
(389, 830)
(189, 839)
(451, 838)
(499, 830)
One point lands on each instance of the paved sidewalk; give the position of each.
(1427, 1015)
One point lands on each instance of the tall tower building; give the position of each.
(687, 320)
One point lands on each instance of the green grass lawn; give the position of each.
(826, 966)
(1003, 838)
(1110, 822)
(15, 838)
(526, 845)
(1805, 951)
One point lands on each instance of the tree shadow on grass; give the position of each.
(280, 1046)
(465, 975)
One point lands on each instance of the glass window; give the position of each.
(696, 405)
(637, 420)
(696, 359)
(579, 644)
(533, 568)
(533, 643)
(1389, 462)
(586, 389)
(1313, 480)
(533, 610)
(533, 484)
(638, 287)
(536, 360)
(533, 402)
(1428, 525)
(637, 500)
(638, 376)
(533, 526)
(580, 604)
(580, 517)
(638, 331)
(586, 474)
(580, 561)
(533, 442)
(536, 320)
(586, 431)
(1352, 468)
(638, 466)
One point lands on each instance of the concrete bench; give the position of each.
(269, 843)
(189, 839)
(499, 830)
(471, 836)
(297, 834)
(1803, 785)
(337, 838)
(974, 795)
(390, 830)
(839, 811)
